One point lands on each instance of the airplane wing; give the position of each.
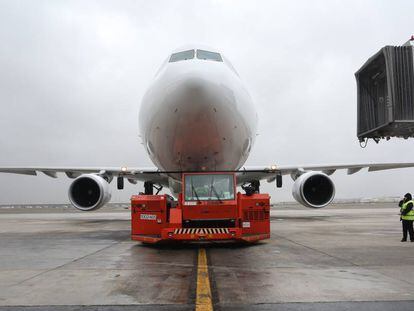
(320, 193)
(133, 174)
(269, 173)
(245, 174)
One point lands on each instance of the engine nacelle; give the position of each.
(89, 192)
(313, 189)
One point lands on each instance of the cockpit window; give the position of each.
(184, 55)
(207, 55)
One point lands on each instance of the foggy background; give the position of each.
(72, 75)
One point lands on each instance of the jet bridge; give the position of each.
(385, 86)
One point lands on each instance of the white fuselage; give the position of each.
(197, 116)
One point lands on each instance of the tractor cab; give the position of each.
(209, 200)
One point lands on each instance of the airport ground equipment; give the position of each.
(208, 208)
(385, 86)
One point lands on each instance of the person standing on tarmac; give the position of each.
(407, 216)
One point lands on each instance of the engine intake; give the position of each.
(89, 192)
(313, 189)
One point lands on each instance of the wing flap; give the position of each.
(353, 170)
(329, 172)
(50, 174)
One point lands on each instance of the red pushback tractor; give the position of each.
(208, 209)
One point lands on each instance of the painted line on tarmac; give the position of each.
(203, 294)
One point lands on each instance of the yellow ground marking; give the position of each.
(203, 297)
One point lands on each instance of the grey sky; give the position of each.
(72, 74)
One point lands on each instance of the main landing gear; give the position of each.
(149, 188)
(252, 187)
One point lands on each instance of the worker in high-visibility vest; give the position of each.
(407, 216)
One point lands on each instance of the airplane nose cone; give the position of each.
(193, 79)
(193, 86)
(195, 83)
(196, 122)
(195, 94)
(204, 88)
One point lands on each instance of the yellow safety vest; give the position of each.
(410, 214)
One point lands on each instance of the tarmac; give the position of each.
(342, 257)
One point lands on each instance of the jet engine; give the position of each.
(313, 189)
(89, 192)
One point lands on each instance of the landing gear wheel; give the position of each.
(148, 188)
(252, 187)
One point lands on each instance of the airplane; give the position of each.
(197, 116)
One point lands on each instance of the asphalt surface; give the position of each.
(344, 257)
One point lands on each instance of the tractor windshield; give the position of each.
(207, 187)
